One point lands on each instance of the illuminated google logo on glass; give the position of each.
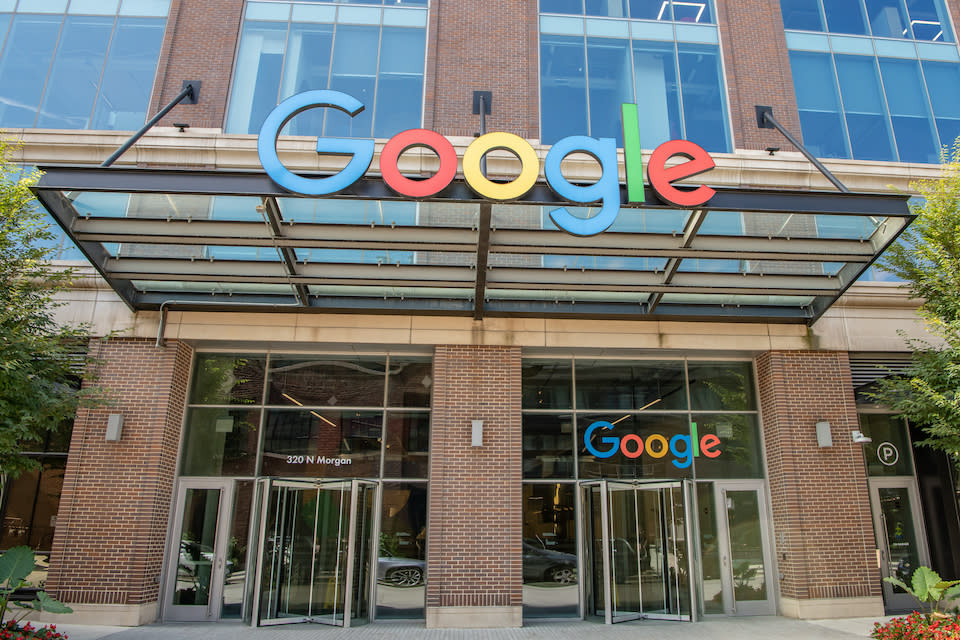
(606, 190)
(684, 448)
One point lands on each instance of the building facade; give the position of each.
(512, 385)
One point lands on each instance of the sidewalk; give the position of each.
(760, 628)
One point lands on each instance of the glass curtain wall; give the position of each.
(883, 85)
(589, 418)
(78, 64)
(372, 52)
(323, 416)
(663, 56)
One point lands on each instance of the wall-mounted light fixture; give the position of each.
(114, 427)
(476, 433)
(824, 438)
(860, 437)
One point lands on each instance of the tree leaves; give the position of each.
(15, 565)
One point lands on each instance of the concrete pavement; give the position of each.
(765, 628)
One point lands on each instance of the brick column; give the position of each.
(821, 508)
(112, 523)
(474, 528)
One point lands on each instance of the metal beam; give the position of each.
(271, 213)
(240, 183)
(483, 251)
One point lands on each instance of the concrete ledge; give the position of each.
(114, 615)
(871, 607)
(474, 617)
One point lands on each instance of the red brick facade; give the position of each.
(475, 501)
(821, 509)
(112, 522)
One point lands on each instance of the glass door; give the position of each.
(197, 555)
(736, 571)
(899, 529)
(316, 543)
(637, 553)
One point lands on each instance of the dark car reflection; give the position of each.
(547, 565)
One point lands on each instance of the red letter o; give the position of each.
(631, 437)
(418, 138)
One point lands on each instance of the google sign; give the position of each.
(683, 448)
(606, 190)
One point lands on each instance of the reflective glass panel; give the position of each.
(890, 453)
(409, 381)
(550, 580)
(220, 442)
(547, 384)
(943, 83)
(723, 386)
(610, 73)
(929, 20)
(354, 72)
(887, 18)
(845, 16)
(801, 14)
(746, 545)
(401, 563)
(23, 68)
(407, 450)
(901, 535)
(256, 81)
(709, 549)
(739, 447)
(30, 509)
(225, 378)
(198, 535)
(704, 106)
(128, 74)
(548, 446)
(655, 71)
(909, 111)
(631, 386)
(328, 381)
(563, 87)
(820, 118)
(335, 444)
(863, 107)
(400, 81)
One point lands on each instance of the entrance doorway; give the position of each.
(637, 561)
(735, 567)
(898, 524)
(316, 544)
(197, 562)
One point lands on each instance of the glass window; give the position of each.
(547, 384)
(382, 66)
(327, 381)
(631, 386)
(845, 16)
(819, 105)
(863, 107)
(409, 382)
(335, 444)
(550, 586)
(721, 386)
(548, 446)
(801, 14)
(740, 446)
(79, 71)
(220, 442)
(909, 111)
(224, 378)
(30, 506)
(890, 453)
(676, 82)
(943, 82)
(407, 448)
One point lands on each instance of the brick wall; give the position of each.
(484, 46)
(475, 503)
(199, 44)
(757, 72)
(821, 508)
(112, 522)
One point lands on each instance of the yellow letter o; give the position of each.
(519, 186)
(663, 446)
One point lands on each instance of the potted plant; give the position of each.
(15, 565)
(932, 592)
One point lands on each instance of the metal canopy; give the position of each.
(232, 240)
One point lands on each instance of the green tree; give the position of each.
(928, 259)
(39, 358)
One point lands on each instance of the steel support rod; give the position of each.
(765, 120)
(186, 93)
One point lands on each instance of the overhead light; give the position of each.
(649, 404)
(293, 400)
(322, 418)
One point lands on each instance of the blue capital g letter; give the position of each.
(614, 441)
(362, 150)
